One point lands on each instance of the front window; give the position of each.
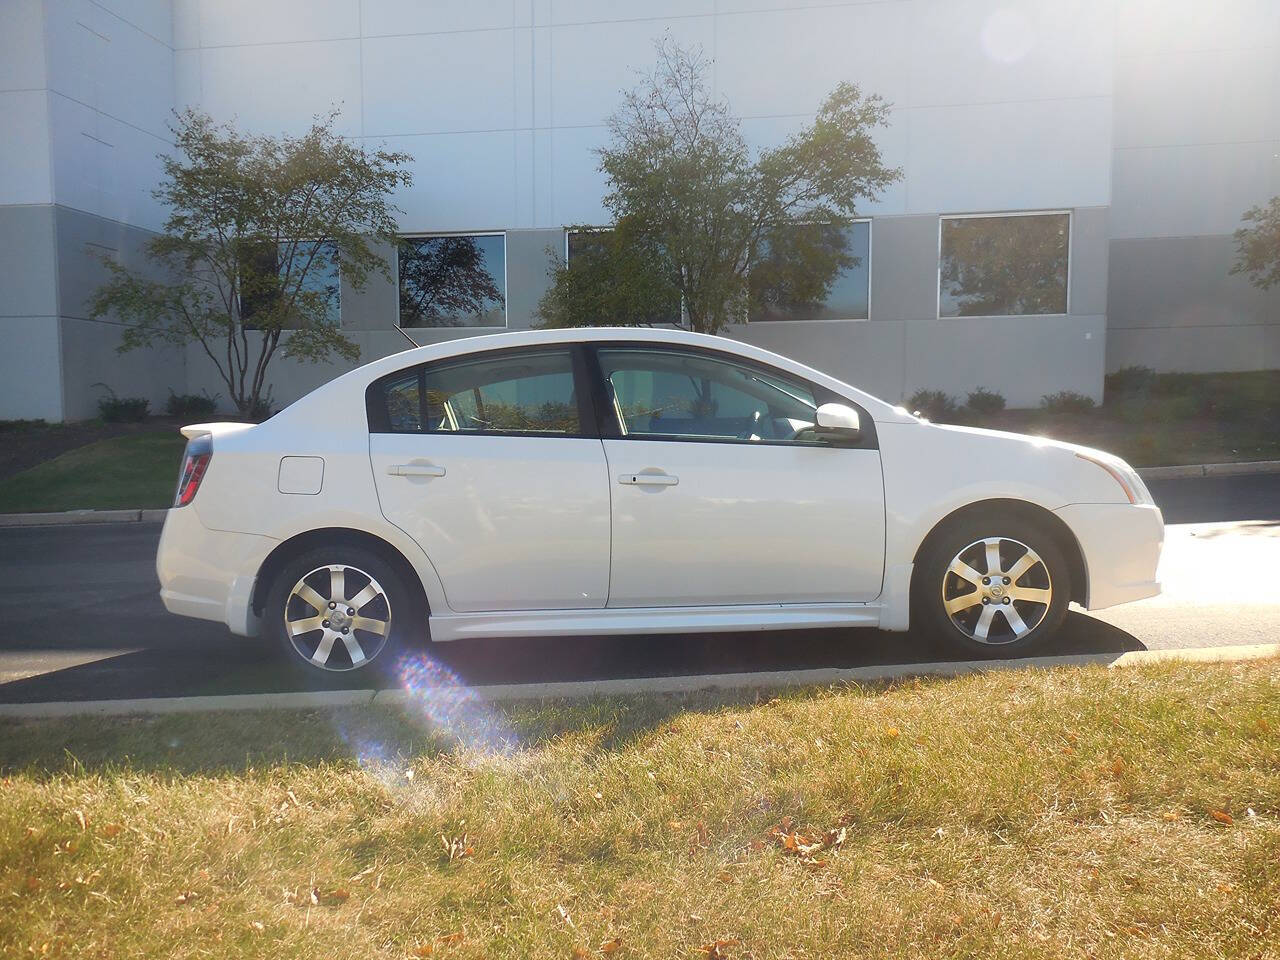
(1004, 266)
(674, 395)
(523, 393)
(453, 281)
(842, 256)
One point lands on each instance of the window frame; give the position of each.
(588, 426)
(610, 429)
(870, 222)
(1006, 214)
(430, 235)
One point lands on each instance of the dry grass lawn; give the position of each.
(1072, 813)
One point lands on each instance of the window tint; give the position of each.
(836, 285)
(1003, 266)
(454, 281)
(509, 393)
(670, 394)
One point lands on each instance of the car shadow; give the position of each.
(229, 665)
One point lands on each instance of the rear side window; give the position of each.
(508, 393)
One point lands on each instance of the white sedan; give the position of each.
(635, 481)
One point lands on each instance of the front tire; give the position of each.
(992, 586)
(339, 610)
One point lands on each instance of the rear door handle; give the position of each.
(415, 470)
(648, 479)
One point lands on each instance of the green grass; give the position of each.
(1070, 813)
(136, 470)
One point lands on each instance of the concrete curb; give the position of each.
(75, 517)
(496, 693)
(1210, 470)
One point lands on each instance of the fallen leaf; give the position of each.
(724, 876)
(718, 950)
(1117, 766)
(1222, 817)
(580, 952)
(456, 937)
(1263, 725)
(891, 732)
(1169, 816)
(423, 950)
(611, 946)
(258, 925)
(564, 915)
(187, 896)
(110, 830)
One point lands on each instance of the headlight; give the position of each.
(1124, 475)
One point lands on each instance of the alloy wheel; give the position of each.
(996, 590)
(337, 617)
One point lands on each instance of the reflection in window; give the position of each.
(1003, 266)
(302, 277)
(528, 392)
(834, 284)
(455, 281)
(668, 394)
(629, 272)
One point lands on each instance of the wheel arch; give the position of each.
(1062, 534)
(294, 546)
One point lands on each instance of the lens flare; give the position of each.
(437, 695)
(1008, 35)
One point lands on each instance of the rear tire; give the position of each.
(339, 611)
(991, 586)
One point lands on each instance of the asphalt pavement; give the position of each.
(82, 619)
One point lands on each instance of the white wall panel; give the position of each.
(152, 17)
(21, 45)
(439, 82)
(1211, 96)
(394, 17)
(1009, 156)
(592, 64)
(186, 24)
(110, 65)
(275, 88)
(1162, 26)
(577, 185)
(24, 147)
(1191, 190)
(225, 22)
(462, 181)
(982, 51)
(598, 11)
(786, 62)
(187, 83)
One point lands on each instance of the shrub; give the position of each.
(1067, 401)
(934, 404)
(191, 407)
(1128, 381)
(983, 400)
(259, 410)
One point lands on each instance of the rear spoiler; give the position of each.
(191, 431)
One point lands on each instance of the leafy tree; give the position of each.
(685, 189)
(444, 280)
(1258, 246)
(611, 280)
(257, 229)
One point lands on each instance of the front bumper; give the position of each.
(209, 574)
(1121, 545)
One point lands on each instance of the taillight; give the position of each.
(195, 463)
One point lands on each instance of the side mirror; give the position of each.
(838, 419)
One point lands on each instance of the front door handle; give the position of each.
(648, 479)
(415, 470)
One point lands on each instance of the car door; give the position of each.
(494, 466)
(723, 492)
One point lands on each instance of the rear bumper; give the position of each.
(1121, 545)
(209, 574)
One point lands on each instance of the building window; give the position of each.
(453, 281)
(777, 293)
(274, 274)
(652, 303)
(1012, 265)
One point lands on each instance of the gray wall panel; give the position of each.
(904, 268)
(1196, 349)
(30, 369)
(28, 270)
